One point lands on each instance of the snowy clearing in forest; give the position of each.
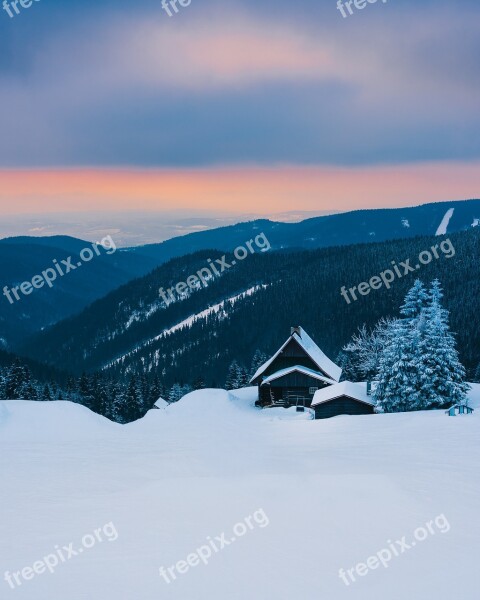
(335, 491)
(442, 228)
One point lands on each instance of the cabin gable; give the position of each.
(291, 355)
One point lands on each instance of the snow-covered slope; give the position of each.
(335, 493)
(442, 228)
(219, 309)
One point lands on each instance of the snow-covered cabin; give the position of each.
(345, 398)
(295, 372)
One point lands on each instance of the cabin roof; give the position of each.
(299, 369)
(161, 403)
(357, 391)
(310, 347)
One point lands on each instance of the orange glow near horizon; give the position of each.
(239, 190)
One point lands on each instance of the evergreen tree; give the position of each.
(134, 399)
(118, 408)
(186, 389)
(16, 381)
(101, 396)
(71, 390)
(399, 378)
(199, 383)
(156, 390)
(85, 392)
(234, 377)
(46, 394)
(394, 372)
(175, 393)
(244, 379)
(415, 301)
(442, 374)
(259, 358)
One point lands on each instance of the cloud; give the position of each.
(228, 84)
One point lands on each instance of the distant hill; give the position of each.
(360, 226)
(21, 258)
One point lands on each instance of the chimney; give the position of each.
(295, 330)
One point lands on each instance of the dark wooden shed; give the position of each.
(345, 398)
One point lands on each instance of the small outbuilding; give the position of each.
(344, 398)
(459, 409)
(160, 403)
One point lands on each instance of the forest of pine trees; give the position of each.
(120, 402)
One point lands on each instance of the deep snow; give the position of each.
(334, 492)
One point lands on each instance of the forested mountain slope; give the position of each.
(253, 305)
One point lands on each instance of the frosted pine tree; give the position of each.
(175, 393)
(399, 380)
(259, 358)
(414, 318)
(415, 301)
(443, 375)
(393, 374)
(118, 409)
(234, 377)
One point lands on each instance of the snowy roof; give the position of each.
(299, 369)
(357, 391)
(319, 358)
(161, 403)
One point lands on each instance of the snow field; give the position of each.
(334, 491)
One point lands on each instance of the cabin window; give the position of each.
(312, 390)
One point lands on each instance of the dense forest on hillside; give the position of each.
(117, 333)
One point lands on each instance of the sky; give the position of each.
(241, 107)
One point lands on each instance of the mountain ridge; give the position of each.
(22, 257)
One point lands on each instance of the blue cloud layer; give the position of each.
(118, 82)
